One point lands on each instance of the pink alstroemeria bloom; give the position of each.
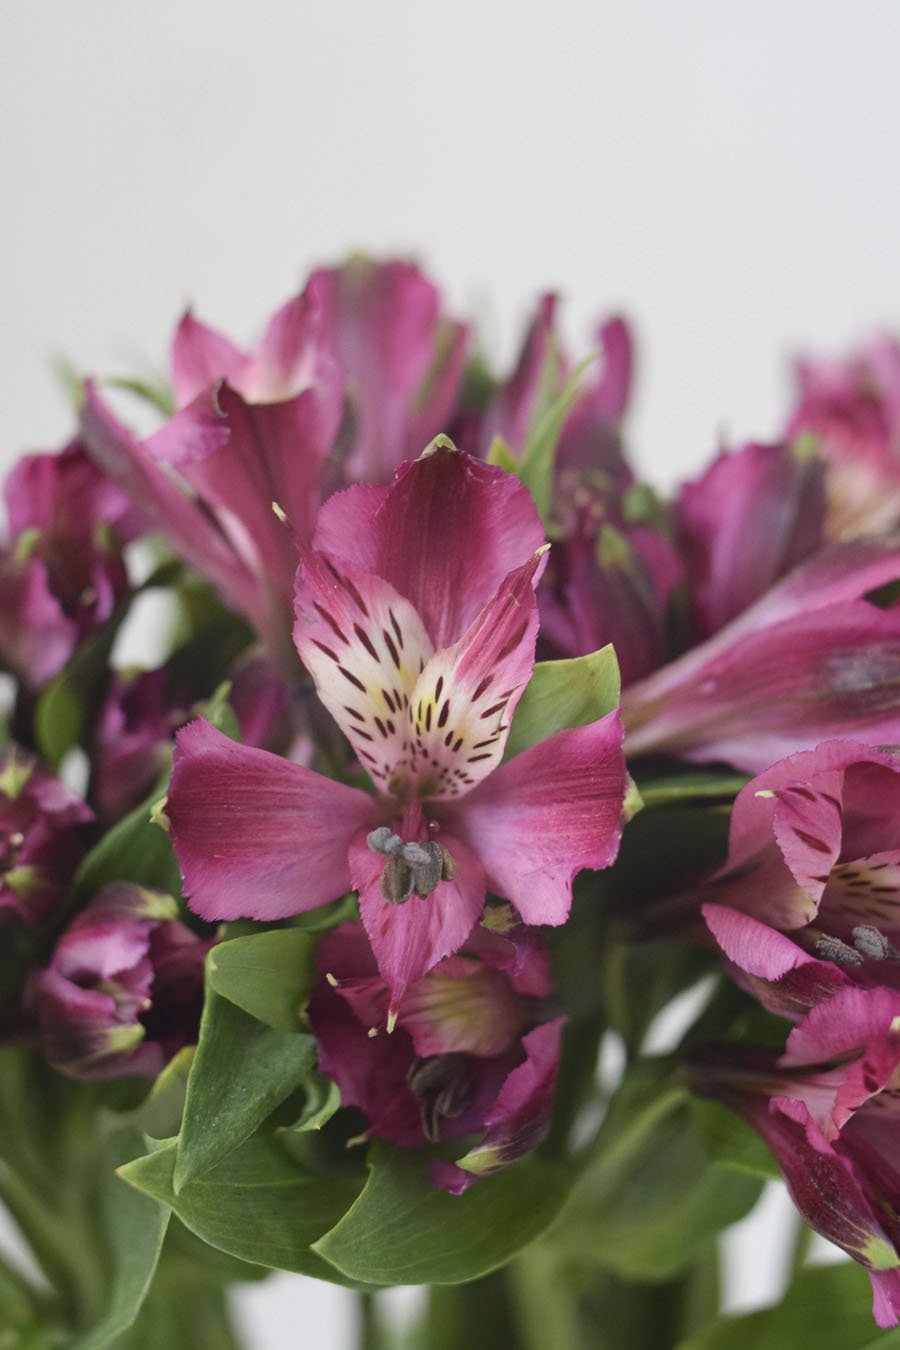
(814, 850)
(417, 619)
(465, 1056)
(810, 660)
(62, 571)
(124, 989)
(828, 1110)
(40, 844)
(851, 410)
(753, 516)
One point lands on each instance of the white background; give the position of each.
(726, 172)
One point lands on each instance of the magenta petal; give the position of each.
(753, 516)
(409, 939)
(201, 357)
(445, 534)
(189, 529)
(519, 1119)
(512, 410)
(256, 835)
(784, 977)
(546, 814)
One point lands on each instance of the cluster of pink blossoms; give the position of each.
(376, 510)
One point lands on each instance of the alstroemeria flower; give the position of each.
(753, 516)
(465, 1056)
(811, 659)
(124, 989)
(814, 850)
(850, 409)
(40, 846)
(417, 619)
(62, 571)
(828, 1109)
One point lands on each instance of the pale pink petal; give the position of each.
(463, 702)
(364, 646)
(546, 814)
(786, 979)
(256, 835)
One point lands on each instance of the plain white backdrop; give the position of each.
(724, 172)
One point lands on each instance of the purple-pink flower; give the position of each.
(462, 1055)
(124, 988)
(828, 1110)
(416, 616)
(814, 850)
(850, 410)
(812, 658)
(40, 842)
(61, 572)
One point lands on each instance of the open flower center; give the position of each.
(411, 868)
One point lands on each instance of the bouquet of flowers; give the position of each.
(493, 878)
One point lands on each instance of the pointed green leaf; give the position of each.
(564, 694)
(258, 1204)
(135, 849)
(135, 1226)
(241, 1071)
(403, 1230)
(270, 975)
(323, 1097)
(535, 468)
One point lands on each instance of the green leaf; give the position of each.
(323, 1097)
(241, 1071)
(649, 1198)
(65, 703)
(219, 712)
(135, 1227)
(730, 1141)
(535, 468)
(403, 1230)
(270, 975)
(563, 694)
(829, 1307)
(257, 1204)
(135, 849)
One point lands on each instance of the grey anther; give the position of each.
(383, 840)
(411, 868)
(833, 949)
(872, 942)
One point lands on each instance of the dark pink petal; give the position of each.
(516, 950)
(611, 587)
(364, 646)
(446, 533)
(828, 1190)
(784, 977)
(519, 1119)
(37, 637)
(289, 358)
(381, 320)
(201, 357)
(546, 814)
(409, 939)
(753, 516)
(751, 700)
(180, 519)
(251, 456)
(256, 835)
(463, 702)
